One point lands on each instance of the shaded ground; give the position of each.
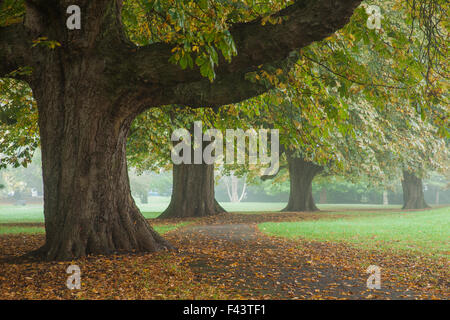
(221, 257)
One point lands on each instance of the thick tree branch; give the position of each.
(227, 88)
(101, 30)
(14, 48)
(305, 21)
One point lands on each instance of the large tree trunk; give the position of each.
(301, 175)
(88, 205)
(413, 197)
(193, 192)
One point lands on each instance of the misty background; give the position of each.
(22, 186)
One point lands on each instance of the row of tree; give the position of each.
(355, 105)
(83, 88)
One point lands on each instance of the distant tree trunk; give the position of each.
(143, 196)
(413, 197)
(385, 198)
(193, 188)
(323, 195)
(193, 192)
(301, 174)
(232, 184)
(437, 196)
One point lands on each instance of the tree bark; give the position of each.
(88, 206)
(87, 200)
(413, 197)
(193, 192)
(301, 175)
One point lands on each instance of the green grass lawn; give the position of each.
(427, 231)
(156, 205)
(162, 229)
(18, 214)
(424, 231)
(266, 207)
(18, 230)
